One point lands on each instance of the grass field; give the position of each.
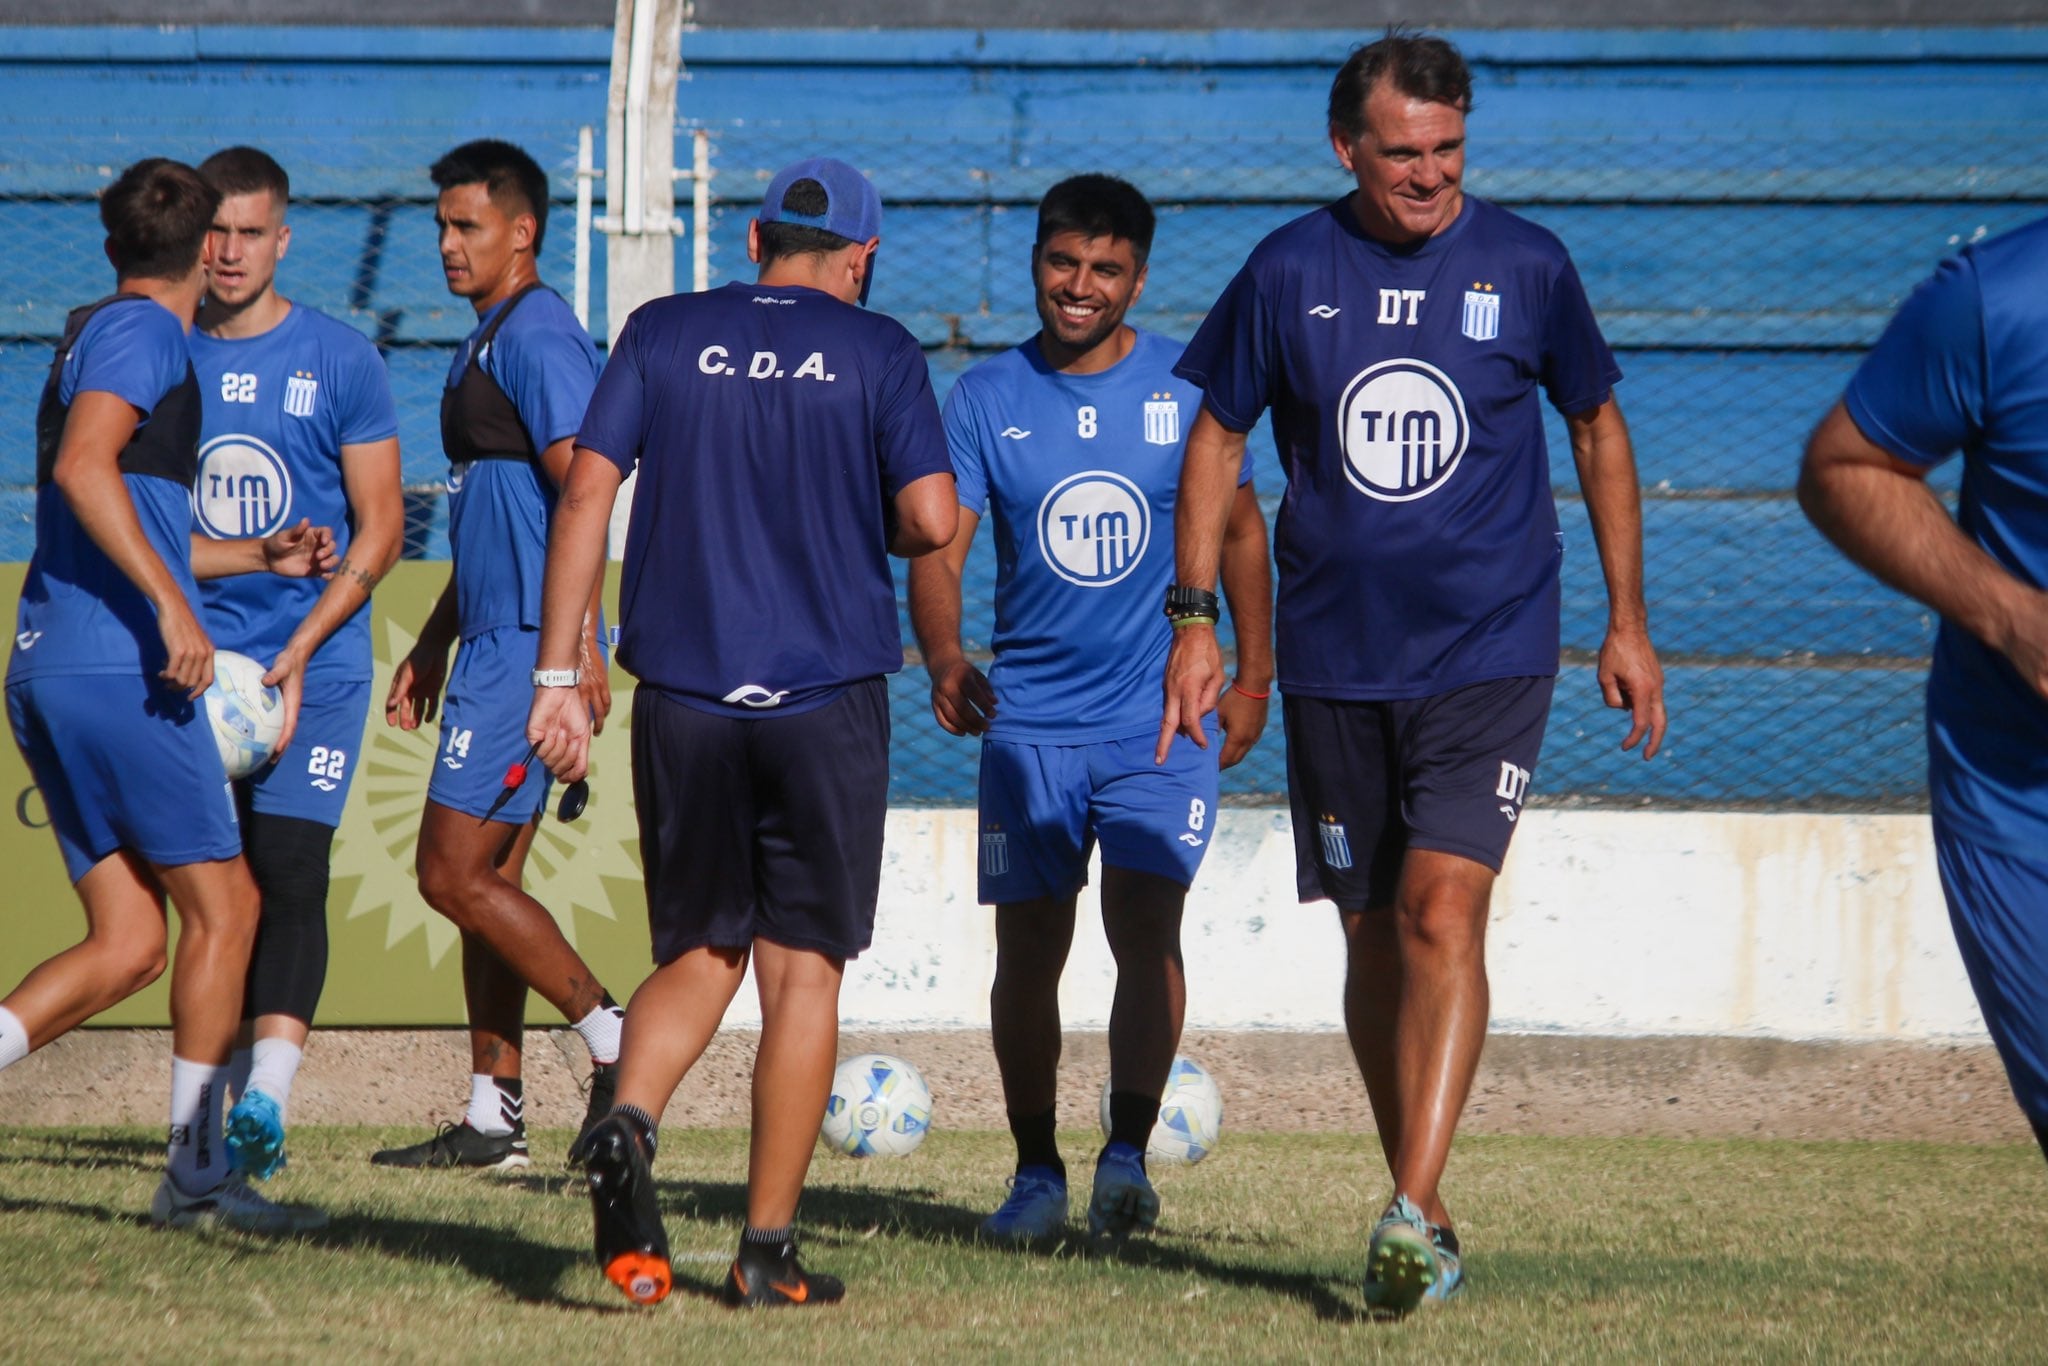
(1579, 1249)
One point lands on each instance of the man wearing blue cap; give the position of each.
(787, 443)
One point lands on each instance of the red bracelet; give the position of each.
(1254, 696)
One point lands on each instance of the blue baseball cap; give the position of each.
(853, 207)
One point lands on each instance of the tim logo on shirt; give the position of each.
(1403, 427)
(1093, 528)
(243, 488)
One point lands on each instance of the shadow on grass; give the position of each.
(529, 1272)
(89, 1152)
(844, 1214)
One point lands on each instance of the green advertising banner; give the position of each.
(394, 961)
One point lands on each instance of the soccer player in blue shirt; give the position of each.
(298, 424)
(787, 442)
(1072, 443)
(1400, 337)
(1964, 367)
(515, 396)
(110, 658)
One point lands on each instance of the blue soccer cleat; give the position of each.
(1402, 1264)
(1450, 1281)
(1123, 1201)
(255, 1136)
(1036, 1208)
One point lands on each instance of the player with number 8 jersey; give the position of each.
(1071, 442)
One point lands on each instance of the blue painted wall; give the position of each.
(1746, 208)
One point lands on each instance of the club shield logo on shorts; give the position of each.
(243, 488)
(995, 853)
(1093, 528)
(1336, 844)
(1403, 429)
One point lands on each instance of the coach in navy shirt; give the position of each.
(787, 443)
(1403, 338)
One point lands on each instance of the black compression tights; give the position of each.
(289, 966)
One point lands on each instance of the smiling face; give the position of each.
(1085, 285)
(246, 242)
(1408, 164)
(481, 244)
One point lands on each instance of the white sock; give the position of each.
(13, 1038)
(495, 1107)
(239, 1063)
(600, 1030)
(198, 1157)
(274, 1064)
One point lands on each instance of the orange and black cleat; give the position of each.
(632, 1246)
(769, 1274)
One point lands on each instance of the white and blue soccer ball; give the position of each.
(879, 1107)
(247, 717)
(1190, 1115)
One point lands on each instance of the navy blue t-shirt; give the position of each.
(1964, 367)
(498, 510)
(1417, 542)
(771, 427)
(79, 613)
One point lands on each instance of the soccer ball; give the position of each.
(880, 1107)
(1190, 1115)
(247, 717)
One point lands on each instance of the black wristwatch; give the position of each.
(1189, 604)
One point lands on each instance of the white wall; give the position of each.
(1794, 926)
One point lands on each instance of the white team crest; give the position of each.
(1162, 420)
(1403, 427)
(243, 488)
(1093, 528)
(299, 392)
(1336, 844)
(1482, 313)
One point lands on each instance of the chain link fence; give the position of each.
(1738, 284)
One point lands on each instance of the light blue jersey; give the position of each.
(278, 409)
(1079, 474)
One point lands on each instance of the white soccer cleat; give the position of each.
(231, 1204)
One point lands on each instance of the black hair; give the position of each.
(1421, 66)
(810, 198)
(246, 170)
(157, 214)
(1097, 206)
(515, 180)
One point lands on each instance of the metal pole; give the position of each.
(700, 212)
(586, 172)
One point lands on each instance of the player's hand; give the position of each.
(304, 551)
(188, 650)
(963, 703)
(596, 687)
(1632, 679)
(415, 693)
(558, 728)
(1243, 718)
(1194, 676)
(287, 673)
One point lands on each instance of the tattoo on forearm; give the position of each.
(366, 580)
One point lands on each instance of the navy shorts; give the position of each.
(124, 763)
(483, 729)
(1995, 903)
(762, 827)
(1044, 806)
(1368, 781)
(311, 781)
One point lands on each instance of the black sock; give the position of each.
(768, 1242)
(1446, 1238)
(641, 1122)
(1131, 1117)
(1037, 1144)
